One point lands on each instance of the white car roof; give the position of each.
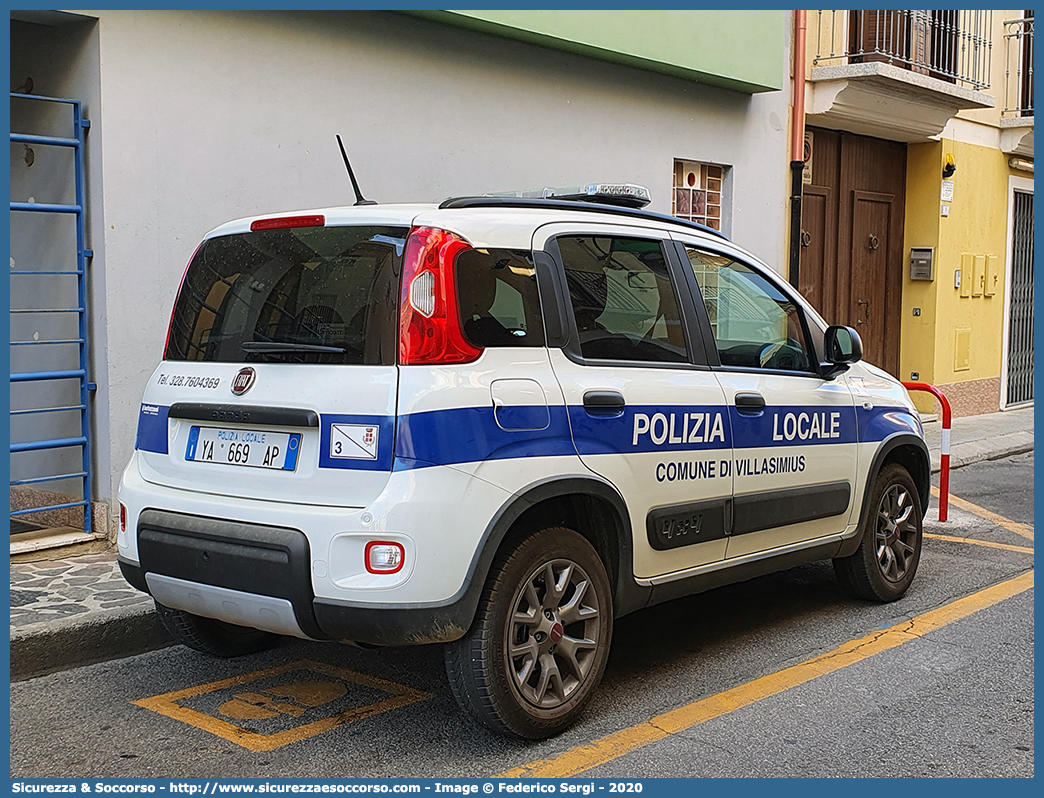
(496, 226)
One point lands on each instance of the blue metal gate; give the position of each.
(77, 369)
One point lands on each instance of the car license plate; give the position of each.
(241, 447)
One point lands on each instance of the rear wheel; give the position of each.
(884, 566)
(540, 640)
(213, 637)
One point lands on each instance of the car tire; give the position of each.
(560, 638)
(884, 565)
(217, 638)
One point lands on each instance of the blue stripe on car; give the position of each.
(770, 427)
(469, 434)
(523, 417)
(880, 422)
(472, 434)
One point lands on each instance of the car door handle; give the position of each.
(604, 403)
(750, 403)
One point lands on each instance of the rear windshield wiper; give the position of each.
(287, 346)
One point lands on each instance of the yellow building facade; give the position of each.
(951, 95)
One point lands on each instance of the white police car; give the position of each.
(499, 423)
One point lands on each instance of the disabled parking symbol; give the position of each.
(270, 708)
(287, 699)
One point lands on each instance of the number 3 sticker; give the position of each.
(348, 441)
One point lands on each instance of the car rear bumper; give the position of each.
(419, 510)
(258, 576)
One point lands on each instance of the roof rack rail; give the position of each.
(573, 205)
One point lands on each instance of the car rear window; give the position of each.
(300, 295)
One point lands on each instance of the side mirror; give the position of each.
(843, 347)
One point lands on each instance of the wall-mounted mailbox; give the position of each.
(922, 263)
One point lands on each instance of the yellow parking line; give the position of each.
(988, 543)
(584, 757)
(1024, 530)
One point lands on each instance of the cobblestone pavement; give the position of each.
(42, 592)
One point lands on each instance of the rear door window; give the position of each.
(300, 295)
(499, 304)
(623, 301)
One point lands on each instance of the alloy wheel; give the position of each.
(895, 533)
(553, 633)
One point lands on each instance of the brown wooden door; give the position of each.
(818, 228)
(852, 238)
(871, 228)
(818, 269)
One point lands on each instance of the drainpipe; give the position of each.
(797, 145)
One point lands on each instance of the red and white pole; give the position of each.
(944, 447)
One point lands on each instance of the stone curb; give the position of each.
(963, 454)
(44, 648)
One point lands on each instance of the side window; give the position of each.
(755, 325)
(499, 305)
(623, 300)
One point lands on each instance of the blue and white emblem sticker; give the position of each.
(351, 441)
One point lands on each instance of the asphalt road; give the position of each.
(957, 701)
(1003, 486)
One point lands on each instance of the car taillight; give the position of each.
(384, 557)
(177, 296)
(123, 518)
(429, 319)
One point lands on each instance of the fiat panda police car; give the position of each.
(500, 423)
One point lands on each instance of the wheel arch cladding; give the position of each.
(918, 466)
(592, 508)
(911, 453)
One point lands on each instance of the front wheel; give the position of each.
(540, 640)
(886, 561)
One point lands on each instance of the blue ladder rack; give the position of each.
(83, 255)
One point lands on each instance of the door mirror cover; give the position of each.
(843, 345)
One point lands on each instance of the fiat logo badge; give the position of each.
(242, 382)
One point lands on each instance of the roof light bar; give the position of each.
(626, 195)
(287, 221)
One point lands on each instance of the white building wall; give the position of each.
(208, 116)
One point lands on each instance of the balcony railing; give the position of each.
(953, 46)
(1018, 67)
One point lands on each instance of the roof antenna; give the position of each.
(359, 200)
